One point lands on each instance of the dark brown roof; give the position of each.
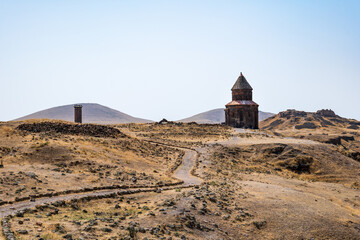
(241, 83)
(241, 102)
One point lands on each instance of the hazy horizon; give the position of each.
(159, 59)
(85, 105)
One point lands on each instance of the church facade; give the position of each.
(242, 111)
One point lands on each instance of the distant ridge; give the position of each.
(92, 113)
(217, 116)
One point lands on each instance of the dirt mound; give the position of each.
(73, 129)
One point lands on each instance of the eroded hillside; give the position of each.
(323, 126)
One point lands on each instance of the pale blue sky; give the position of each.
(173, 59)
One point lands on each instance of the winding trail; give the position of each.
(183, 173)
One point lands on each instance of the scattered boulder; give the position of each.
(31, 175)
(23, 232)
(107, 230)
(260, 224)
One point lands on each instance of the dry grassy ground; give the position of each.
(43, 162)
(271, 184)
(297, 190)
(180, 134)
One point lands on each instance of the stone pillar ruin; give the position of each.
(78, 113)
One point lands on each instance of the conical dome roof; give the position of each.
(241, 83)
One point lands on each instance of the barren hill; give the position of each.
(217, 116)
(321, 126)
(292, 119)
(92, 113)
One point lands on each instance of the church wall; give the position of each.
(242, 94)
(244, 116)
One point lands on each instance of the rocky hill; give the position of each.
(217, 116)
(292, 119)
(92, 113)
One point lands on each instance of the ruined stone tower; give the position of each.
(78, 113)
(242, 111)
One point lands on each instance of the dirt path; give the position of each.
(184, 171)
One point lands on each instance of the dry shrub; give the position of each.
(356, 185)
(6, 131)
(299, 164)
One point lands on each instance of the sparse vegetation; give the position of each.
(279, 183)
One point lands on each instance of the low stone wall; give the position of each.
(94, 130)
(84, 190)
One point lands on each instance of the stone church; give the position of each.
(242, 111)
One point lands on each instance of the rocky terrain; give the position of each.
(323, 126)
(173, 180)
(322, 119)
